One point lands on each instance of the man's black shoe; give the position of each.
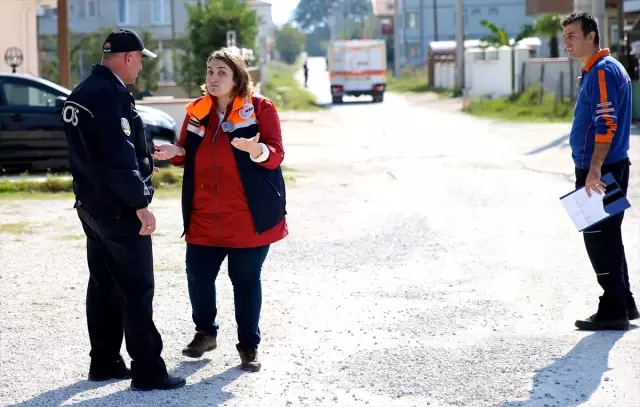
(166, 383)
(632, 308)
(101, 371)
(609, 317)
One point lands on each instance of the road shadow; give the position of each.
(571, 379)
(330, 105)
(563, 141)
(555, 143)
(207, 392)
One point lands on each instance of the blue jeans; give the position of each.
(245, 266)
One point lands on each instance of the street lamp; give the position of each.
(63, 43)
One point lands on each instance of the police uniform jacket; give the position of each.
(109, 157)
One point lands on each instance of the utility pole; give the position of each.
(598, 11)
(174, 47)
(63, 43)
(398, 35)
(435, 20)
(459, 45)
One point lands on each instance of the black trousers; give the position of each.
(604, 245)
(120, 294)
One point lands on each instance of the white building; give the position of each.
(19, 30)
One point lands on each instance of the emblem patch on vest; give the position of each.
(246, 111)
(124, 123)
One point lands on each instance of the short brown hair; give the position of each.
(243, 83)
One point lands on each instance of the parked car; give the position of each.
(31, 132)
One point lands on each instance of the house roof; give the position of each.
(383, 8)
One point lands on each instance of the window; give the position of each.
(414, 50)
(123, 11)
(493, 11)
(476, 12)
(160, 12)
(412, 20)
(92, 9)
(18, 94)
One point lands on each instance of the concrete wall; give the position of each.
(553, 74)
(492, 77)
(18, 28)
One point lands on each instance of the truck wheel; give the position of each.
(337, 100)
(378, 98)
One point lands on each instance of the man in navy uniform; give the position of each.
(112, 168)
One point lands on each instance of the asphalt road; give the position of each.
(430, 263)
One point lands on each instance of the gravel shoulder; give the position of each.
(424, 267)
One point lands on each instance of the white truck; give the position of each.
(357, 67)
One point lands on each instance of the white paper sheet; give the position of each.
(583, 210)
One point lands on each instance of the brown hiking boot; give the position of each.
(250, 359)
(201, 343)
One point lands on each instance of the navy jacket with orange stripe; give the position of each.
(603, 111)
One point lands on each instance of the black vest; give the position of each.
(264, 188)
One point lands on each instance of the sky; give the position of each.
(281, 10)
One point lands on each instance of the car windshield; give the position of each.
(55, 86)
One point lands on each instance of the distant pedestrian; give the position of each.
(305, 67)
(600, 144)
(112, 167)
(233, 199)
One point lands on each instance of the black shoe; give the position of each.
(609, 317)
(166, 383)
(632, 309)
(201, 343)
(99, 371)
(249, 358)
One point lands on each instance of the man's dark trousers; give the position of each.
(604, 242)
(120, 293)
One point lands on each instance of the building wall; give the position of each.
(18, 28)
(85, 16)
(418, 23)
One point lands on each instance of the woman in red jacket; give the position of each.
(233, 199)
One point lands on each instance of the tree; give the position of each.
(207, 31)
(86, 51)
(499, 38)
(549, 26)
(316, 41)
(289, 43)
(310, 14)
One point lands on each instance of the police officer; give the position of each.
(112, 168)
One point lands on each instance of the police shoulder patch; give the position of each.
(126, 128)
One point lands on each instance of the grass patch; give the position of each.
(284, 89)
(16, 228)
(529, 106)
(415, 81)
(167, 184)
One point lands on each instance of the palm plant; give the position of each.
(548, 26)
(499, 38)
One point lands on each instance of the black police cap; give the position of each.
(124, 40)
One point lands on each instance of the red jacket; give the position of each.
(221, 214)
